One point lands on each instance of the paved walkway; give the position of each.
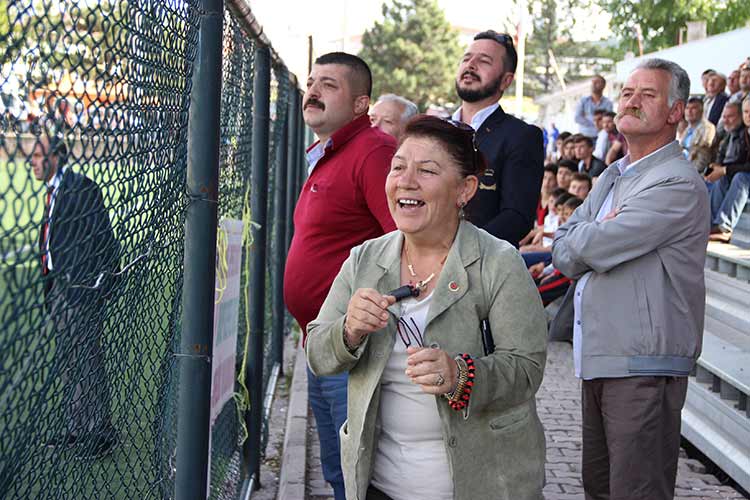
(559, 408)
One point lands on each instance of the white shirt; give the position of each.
(479, 117)
(315, 154)
(410, 460)
(624, 165)
(53, 183)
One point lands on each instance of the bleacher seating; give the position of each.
(716, 417)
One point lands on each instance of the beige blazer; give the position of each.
(496, 446)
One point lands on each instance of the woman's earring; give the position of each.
(461, 213)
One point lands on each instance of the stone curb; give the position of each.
(293, 463)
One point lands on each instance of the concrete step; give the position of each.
(728, 314)
(729, 289)
(728, 259)
(719, 429)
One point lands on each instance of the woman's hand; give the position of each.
(365, 314)
(427, 366)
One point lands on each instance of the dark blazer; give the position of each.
(505, 203)
(717, 108)
(82, 243)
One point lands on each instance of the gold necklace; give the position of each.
(422, 284)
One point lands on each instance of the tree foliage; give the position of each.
(551, 32)
(413, 52)
(661, 20)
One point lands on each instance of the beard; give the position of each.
(483, 92)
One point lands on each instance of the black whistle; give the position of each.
(404, 292)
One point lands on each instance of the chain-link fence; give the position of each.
(98, 103)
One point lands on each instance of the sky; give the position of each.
(288, 23)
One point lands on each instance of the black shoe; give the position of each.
(96, 446)
(62, 441)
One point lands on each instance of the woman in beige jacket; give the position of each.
(430, 414)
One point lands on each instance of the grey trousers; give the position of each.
(631, 437)
(79, 359)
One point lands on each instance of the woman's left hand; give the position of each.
(427, 366)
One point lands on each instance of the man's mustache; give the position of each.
(632, 112)
(470, 73)
(314, 102)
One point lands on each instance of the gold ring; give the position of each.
(440, 380)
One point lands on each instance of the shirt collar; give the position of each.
(56, 179)
(337, 140)
(479, 117)
(624, 165)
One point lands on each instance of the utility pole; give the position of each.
(521, 49)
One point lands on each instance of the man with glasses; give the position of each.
(505, 203)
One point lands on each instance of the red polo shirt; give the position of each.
(342, 204)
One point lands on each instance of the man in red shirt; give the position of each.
(341, 205)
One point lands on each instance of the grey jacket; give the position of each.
(643, 305)
(496, 448)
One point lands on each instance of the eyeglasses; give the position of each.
(466, 128)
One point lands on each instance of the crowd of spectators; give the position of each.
(714, 135)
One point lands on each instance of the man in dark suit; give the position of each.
(79, 258)
(715, 98)
(505, 203)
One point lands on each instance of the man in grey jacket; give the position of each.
(636, 248)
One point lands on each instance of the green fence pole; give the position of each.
(279, 221)
(302, 162)
(195, 350)
(291, 168)
(257, 281)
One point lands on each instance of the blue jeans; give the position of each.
(532, 258)
(327, 397)
(728, 200)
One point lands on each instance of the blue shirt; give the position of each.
(585, 114)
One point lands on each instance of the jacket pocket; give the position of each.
(511, 420)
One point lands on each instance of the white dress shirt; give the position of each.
(479, 117)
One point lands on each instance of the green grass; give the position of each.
(138, 333)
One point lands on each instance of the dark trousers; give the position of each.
(78, 331)
(631, 437)
(327, 397)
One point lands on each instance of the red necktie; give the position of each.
(45, 230)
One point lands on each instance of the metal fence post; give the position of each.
(279, 235)
(302, 164)
(257, 281)
(294, 145)
(196, 342)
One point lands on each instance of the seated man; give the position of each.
(551, 283)
(731, 172)
(569, 148)
(540, 247)
(546, 201)
(587, 162)
(580, 185)
(697, 139)
(606, 136)
(565, 171)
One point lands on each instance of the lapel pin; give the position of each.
(453, 286)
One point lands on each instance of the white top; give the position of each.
(605, 209)
(53, 183)
(551, 223)
(410, 461)
(478, 119)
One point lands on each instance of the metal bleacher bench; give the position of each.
(716, 416)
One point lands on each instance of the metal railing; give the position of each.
(128, 130)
